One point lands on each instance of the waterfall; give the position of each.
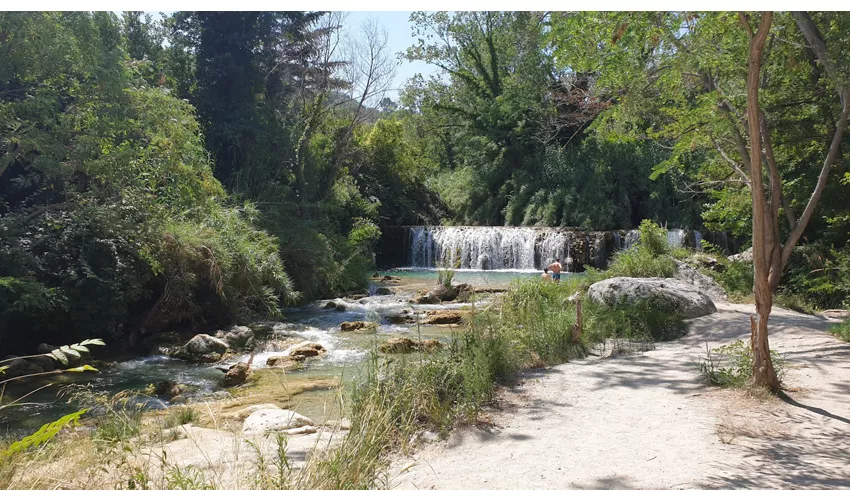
(494, 247)
(676, 237)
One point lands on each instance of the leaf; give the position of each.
(84, 368)
(93, 342)
(3, 369)
(70, 352)
(80, 348)
(59, 356)
(45, 433)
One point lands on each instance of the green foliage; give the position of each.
(645, 321)
(732, 365)
(181, 415)
(648, 258)
(841, 330)
(736, 278)
(45, 433)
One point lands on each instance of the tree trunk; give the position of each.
(765, 244)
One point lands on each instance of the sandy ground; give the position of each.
(647, 421)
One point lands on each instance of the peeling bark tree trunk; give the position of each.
(764, 240)
(770, 255)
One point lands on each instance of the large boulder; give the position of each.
(684, 297)
(271, 420)
(203, 348)
(700, 281)
(237, 337)
(28, 366)
(382, 290)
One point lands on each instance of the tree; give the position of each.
(770, 255)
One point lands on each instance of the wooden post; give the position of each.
(577, 324)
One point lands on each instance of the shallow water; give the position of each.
(346, 351)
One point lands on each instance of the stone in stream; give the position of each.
(306, 350)
(263, 327)
(444, 317)
(399, 345)
(683, 297)
(284, 362)
(430, 345)
(357, 326)
(237, 337)
(168, 390)
(238, 373)
(271, 420)
(383, 291)
(464, 292)
(202, 348)
(399, 319)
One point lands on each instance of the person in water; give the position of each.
(556, 269)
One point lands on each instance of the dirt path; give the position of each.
(646, 421)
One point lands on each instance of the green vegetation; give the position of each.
(732, 365)
(650, 257)
(841, 330)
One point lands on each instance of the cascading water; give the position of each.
(500, 248)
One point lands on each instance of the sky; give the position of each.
(399, 39)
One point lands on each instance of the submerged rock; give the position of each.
(400, 319)
(284, 362)
(237, 337)
(356, 326)
(202, 348)
(684, 297)
(274, 420)
(383, 291)
(263, 327)
(168, 389)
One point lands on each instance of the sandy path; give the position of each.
(647, 421)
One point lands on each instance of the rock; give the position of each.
(237, 337)
(444, 293)
(704, 261)
(248, 410)
(357, 296)
(355, 326)
(341, 308)
(203, 348)
(400, 319)
(263, 327)
(330, 305)
(700, 281)
(684, 297)
(443, 317)
(425, 298)
(464, 292)
(284, 362)
(430, 345)
(399, 345)
(745, 256)
(306, 350)
(306, 429)
(376, 275)
(29, 366)
(271, 420)
(383, 291)
(44, 348)
(238, 373)
(168, 390)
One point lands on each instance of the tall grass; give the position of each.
(648, 258)
(841, 330)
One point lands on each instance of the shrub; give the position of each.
(736, 278)
(648, 258)
(732, 365)
(841, 330)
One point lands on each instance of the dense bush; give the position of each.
(648, 258)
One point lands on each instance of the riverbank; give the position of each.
(648, 421)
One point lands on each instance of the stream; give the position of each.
(346, 351)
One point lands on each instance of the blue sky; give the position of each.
(399, 39)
